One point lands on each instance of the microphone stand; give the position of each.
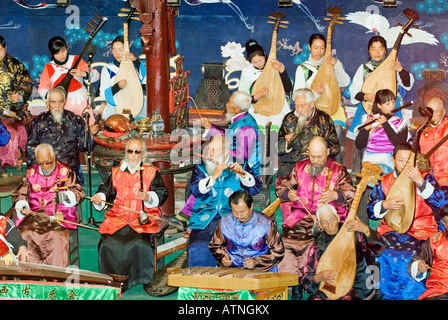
(87, 139)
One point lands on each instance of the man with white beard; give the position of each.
(62, 129)
(212, 183)
(298, 127)
(127, 235)
(312, 182)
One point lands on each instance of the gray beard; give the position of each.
(316, 171)
(301, 120)
(58, 118)
(229, 116)
(210, 167)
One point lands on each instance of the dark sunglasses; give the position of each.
(130, 151)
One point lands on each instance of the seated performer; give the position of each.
(256, 55)
(61, 128)
(432, 134)
(212, 182)
(246, 237)
(58, 68)
(12, 245)
(368, 243)
(395, 282)
(108, 87)
(49, 192)
(126, 236)
(304, 122)
(16, 87)
(380, 138)
(432, 257)
(311, 183)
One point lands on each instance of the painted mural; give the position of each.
(215, 31)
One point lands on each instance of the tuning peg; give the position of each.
(88, 30)
(125, 9)
(339, 22)
(98, 16)
(284, 27)
(330, 14)
(414, 26)
(285, 22)
(270, 22)
(271, 17)
(341, 18)
(328, 19)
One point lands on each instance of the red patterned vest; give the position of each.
(3, 247)
(439, 159)
(310, 190)
(127, 185)
(424, 223)
(436, 283)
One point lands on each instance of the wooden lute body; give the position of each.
(330, 100)
(340, 255)
(130, 99)
(384, 77)
(270, 78)
(400, 220)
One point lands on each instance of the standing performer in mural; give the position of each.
(377, 49)
(56, 70)
(126, 236)
(49, 191)
(436, 130)
(306, 72)
(108, 87)
(16, 86)
(395, 282)
(312, 182)
(256, 55)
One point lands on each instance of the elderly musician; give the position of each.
(137, 192)
(368, 244)
(395, 282)
(246, 237)
(16, 87)
(432, 134)
(212, 182)
(297, 129)
(45, 205)
(311, 183)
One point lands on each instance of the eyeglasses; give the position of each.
(130, 151)
(45, 163)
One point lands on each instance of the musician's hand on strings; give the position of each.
(331, 60)
(122, 83)
(249, 263)
(78, 73)
(27, 211)
(370, 97)
(142, 195)
(129, 56)
(393, 204)
(395, 65)
(263, 92)
(325, 276)
(277, 65)
(14, 97)
(94, 129)
(226, 261)
(413, 173)
(319, 89)
(288, 137)
(96, 199)
(422, 266)
(357, 226)
(205, 123)
(24, 254)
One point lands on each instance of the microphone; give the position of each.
(91, 50)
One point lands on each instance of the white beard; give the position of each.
(229, 116)
(57, 118)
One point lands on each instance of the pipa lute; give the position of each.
(130, 99)
(384, 77)
(330, 99)
(340, 255)
(400, 220)
(270, 77)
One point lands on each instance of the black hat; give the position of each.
(253, 49)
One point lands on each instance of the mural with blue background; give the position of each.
(204, 27)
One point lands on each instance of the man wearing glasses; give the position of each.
(137, 192)
(45, 204)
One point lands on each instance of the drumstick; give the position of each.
(194, 103)
(435, 270)
(216, 162)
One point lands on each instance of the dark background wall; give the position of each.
(203, 26)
